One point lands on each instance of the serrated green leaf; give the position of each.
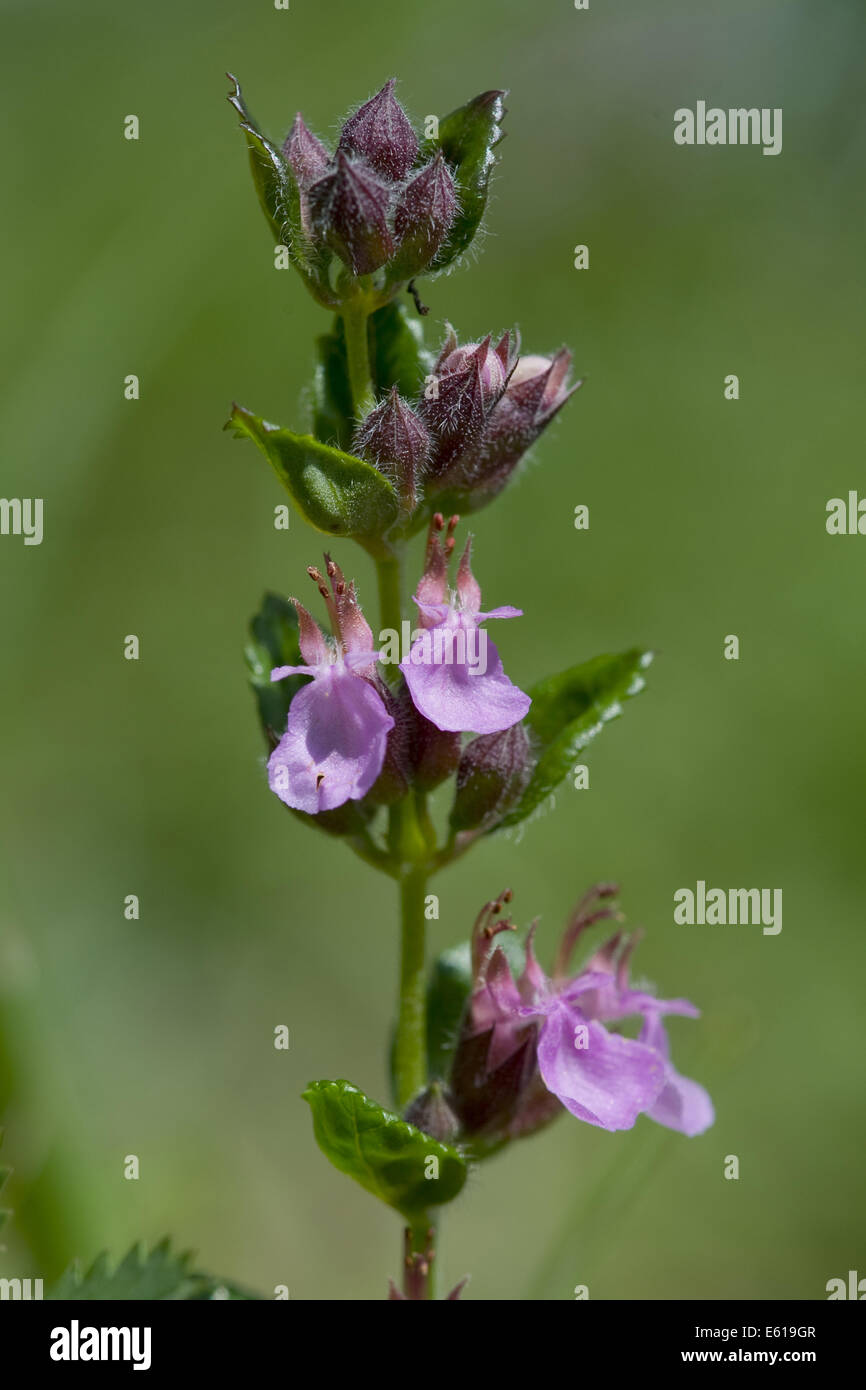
(386, 1155)
(467, 138)
(567, 712)
(334, 491)
(397, 356)
(160, 1276)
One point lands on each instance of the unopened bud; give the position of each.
(396, 440)
(349, 209)
(537, 390)
(424, 214)
(431, 1113)
(305, 154)
(491, 778)
(491, 370)
(381, 133)
(470, 381)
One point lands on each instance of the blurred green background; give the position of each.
(707, 518)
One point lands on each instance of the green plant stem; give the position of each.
(410, 1046)
(354, 315)
(411, 841)
(419, 1261)
(390, 575)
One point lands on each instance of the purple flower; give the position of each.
(453, 672)
(601, 1077)
(682, 1104)
(598, 1075)
(337, 728)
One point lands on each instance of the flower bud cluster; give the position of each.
(371, 201)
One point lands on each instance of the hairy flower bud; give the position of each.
(533, 390)
(396, 440)
(380, 132)
(424, 213)
(431, 1112)
(306, 155)
(455, 409)
(493, 772)
(349, 210)
(537, 390)
(467, 384)
(491, 368)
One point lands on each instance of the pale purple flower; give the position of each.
(337, 728)
(682, 1104)
(454, 673)
(601, 1077)
(537, 1033)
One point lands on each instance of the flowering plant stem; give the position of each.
(354, 314)
(410, 1068)
(403, 440)
(410, 835)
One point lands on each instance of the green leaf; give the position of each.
(398, 358)
(280, 199)
(447, 993)
(567, 712)
(467, 138)
(335, 492)
(161, 1276)
(273, 178)
(385, 1154)
(333, 411)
